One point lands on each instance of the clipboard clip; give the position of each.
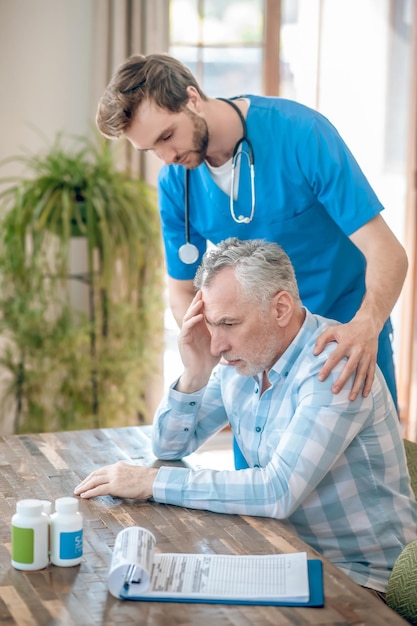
(132, 577)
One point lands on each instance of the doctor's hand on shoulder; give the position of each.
(386, 268)
(358, 341)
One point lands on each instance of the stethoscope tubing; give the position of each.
(188, 252)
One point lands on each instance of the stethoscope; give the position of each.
(188, 252)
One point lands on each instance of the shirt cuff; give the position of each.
(168, 486)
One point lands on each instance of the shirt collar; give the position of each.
(285, 362)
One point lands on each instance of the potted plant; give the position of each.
(66, 368)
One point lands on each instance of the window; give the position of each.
(348, 59)
(222, 42)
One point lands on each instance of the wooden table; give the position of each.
(48, 466)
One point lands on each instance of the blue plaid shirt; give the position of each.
(332, 469)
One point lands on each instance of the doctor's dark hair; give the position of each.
(262, 268)
(156, 77)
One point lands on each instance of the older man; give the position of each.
(331, 468)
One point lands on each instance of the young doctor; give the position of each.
(255, 166)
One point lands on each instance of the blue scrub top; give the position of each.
(310, 196)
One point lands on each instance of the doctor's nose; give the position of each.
(167, 155)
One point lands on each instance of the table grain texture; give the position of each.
(49, 465)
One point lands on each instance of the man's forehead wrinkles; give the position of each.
(220, 319)
(219, 322)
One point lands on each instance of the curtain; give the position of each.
(122, 28)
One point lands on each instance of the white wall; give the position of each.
(45, 78)
(45, 52)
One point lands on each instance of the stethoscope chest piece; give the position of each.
(188, 253)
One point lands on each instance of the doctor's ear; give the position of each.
(194, 99)
(283, 304)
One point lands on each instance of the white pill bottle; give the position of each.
(66, 533)
(30, 530)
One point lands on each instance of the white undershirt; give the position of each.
(222, 175)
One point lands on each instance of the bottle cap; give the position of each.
(47, 506)
(66, 505)
(29, 507)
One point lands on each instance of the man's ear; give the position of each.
(194, 99)
(283, 307)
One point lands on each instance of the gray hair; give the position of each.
(262, 268)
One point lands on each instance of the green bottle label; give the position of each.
(23, 545)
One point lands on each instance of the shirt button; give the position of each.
(256, 390)
(256, 465)
(186, 430)
(258, 429)
(192, 403)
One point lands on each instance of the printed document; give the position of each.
(137, 572)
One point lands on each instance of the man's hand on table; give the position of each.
(121, 479)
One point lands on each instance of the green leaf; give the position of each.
(58, 358)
